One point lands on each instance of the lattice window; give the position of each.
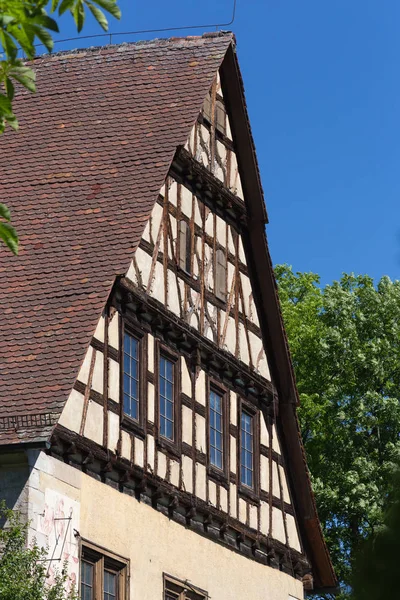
(110, 585)
(131, 376)
(247, 449)
(166, 398)
(103, 575)
(216, 430)
(87, 580)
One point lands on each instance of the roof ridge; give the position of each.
(154, 41)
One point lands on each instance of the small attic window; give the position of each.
(185, 246)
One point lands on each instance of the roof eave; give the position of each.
(272, 327)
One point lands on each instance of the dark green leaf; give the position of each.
(47, 22)
(25, 76)
(8, 44)
(5, 105)
(111, 7)
(65, 5)
(43, 35)
(13, 122)
(25, 39)
(10, 88)
(79, 15)
(98, 15)
(5, 212)
(9, 237)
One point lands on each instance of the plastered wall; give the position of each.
(156, 545)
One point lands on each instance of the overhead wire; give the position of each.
(145, 31)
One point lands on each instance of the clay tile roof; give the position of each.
(81, 178)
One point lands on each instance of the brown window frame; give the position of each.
(169, 446)
(103, 560)
(252, 493)
(218, 475)
(136, 426)
(181, 590)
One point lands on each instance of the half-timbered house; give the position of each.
(148, 423)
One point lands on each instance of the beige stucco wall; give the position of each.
(153, 544)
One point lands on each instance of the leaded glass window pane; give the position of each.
(246, 449)
(131, 376)
(86, 580)
(216, 430)
(166, 381)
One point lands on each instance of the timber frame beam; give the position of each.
(205, 186)
(153, 317)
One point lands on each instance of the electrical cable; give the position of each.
(144, 31)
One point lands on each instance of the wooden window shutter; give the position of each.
(220, 275)
(220, 116)
(207, 107)
(184, 246)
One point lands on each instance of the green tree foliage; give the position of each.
(345, 344)
(376, 575)
(24, 24)
(23, 569)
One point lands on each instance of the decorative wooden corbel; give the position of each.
(88, 460)
(156, 496)
(207, 521)
(239, 539)
(69, 450)
(223, 529)
(308, 582)
(255, 546)
(141, 486)
(173, 504)
(190, 514)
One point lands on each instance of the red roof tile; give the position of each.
(81, 178)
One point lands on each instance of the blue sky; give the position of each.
(323, 91)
